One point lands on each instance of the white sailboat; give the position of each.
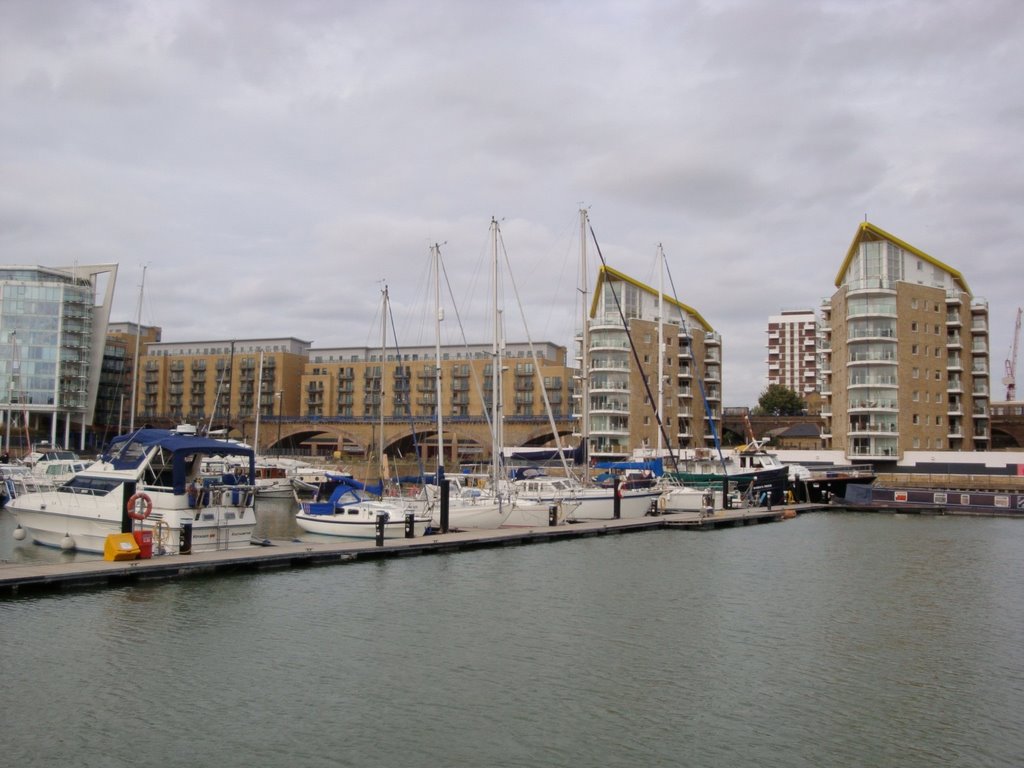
(342, 508)
(592, 502)
(464, 510)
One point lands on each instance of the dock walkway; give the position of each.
(23, 579)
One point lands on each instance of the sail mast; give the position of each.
(380, 404)
(584, 345)
(135, 362)
(438, 317)
(661, 341)
(495, 365)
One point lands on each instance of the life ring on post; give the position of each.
(133, 506)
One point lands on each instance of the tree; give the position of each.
(779, 400)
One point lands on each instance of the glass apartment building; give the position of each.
(53, 322)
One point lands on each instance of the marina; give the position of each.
(19, 578)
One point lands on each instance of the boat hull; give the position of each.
(85, 526)
(336, 524)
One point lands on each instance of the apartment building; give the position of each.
(793, 350)
(357, 382)
(53, 321)
(222, 380)
(647, 354)
(905, 354)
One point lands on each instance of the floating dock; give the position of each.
(29, 579)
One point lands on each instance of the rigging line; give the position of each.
(636, 355)
(408, 405)
(536, 363)
(696, 370)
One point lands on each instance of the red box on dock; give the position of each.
(145, 541)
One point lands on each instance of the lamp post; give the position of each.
(280, 408)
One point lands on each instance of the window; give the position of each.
(913, 326)
(916, 419)
(913, 349)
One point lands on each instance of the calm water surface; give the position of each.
(831, 640)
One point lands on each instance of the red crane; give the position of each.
(1010, 379)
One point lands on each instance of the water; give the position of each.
(830, 640)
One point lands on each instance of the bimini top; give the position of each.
(127, 452)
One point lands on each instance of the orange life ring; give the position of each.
(133, 506)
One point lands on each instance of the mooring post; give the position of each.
(410, 525)
(616, 500)
(553, 515)
(446, 486)
(381, 520)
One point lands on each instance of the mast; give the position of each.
(380, 405)
(584, 345)
(495, 368)
(138, 342)
(661, 340)
(259, 402)
(438, 317)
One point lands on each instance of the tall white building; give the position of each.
(792, 350)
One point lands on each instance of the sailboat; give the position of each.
(345, 507)
(629, 499)
(465, 509)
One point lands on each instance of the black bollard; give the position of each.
(410, 525)
(616, 500)
(553, 515)
(185, 538)
(446, 489)
(726, 500)
(381, 521)
(127, 524)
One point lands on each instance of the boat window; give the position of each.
(97, 486)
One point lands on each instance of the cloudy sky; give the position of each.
(273, 163)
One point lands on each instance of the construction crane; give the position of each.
(1010, 379)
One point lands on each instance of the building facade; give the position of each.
(663, 342)
(905, 354)
(53, 322)
(367, 384)
(220, 382)
(793, 350)
(114, 398)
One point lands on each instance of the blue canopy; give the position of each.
(127, 451)
(656, 466)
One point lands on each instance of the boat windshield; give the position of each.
(96, 486)
(350, 496)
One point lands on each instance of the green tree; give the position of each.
(779, 400)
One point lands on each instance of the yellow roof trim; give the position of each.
(867, 227)
(627, 279)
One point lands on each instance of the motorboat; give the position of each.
(758, 475)
(150, 478)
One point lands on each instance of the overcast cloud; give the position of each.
(272, 163)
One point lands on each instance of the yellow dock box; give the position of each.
(120, 546)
